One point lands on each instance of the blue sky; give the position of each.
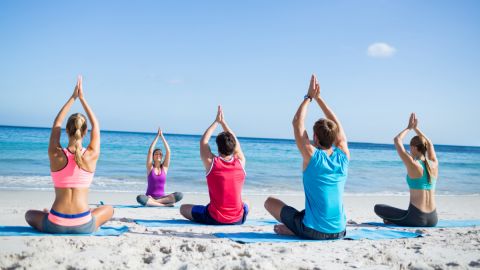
(169, 63)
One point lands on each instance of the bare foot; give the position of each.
(282, 229)
(154, 203)
(387, 222)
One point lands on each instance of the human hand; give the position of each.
(314, 87)
(80, 87)
(77, 87)
(316, 94)
(311, 87)
(219, 119)
(412, 122)
(159, 133)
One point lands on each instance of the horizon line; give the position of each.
(199, 135)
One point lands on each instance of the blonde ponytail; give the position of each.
(77, 141)
(76, 127)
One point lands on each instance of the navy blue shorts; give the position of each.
(200, 214)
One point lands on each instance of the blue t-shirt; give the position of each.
(324, 181)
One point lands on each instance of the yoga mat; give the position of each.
(29, 231)
(440, 224)
(133, 206)
(184, 222)
(357, 234)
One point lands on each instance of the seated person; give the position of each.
(157, 177)
(422, 173)
(72, 169)
(225, 179)
(324, 176)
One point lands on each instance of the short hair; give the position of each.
(326, 132)
(226, 143)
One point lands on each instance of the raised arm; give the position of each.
(301, 136)
(205, 152)
(54, 147)
(166, 161)
(94, 146)
(341, 141)
(150, 151)
(407, 159)
(238, 149)
(431, 155)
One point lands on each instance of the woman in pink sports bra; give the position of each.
(72, 169)
(157, 176)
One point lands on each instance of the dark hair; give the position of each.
(226, 143)
(421, 144)
(326, 132)
(153, 154)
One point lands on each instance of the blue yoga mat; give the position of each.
(134, 206)
(29, 231)
(440, 224)
(184, 222)
(357, 234)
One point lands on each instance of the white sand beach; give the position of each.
(196, 247)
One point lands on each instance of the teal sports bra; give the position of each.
(422, 182)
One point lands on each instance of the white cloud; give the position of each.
(380, 50)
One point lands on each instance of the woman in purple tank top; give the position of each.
(157, 176)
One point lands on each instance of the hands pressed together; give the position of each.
(78, 91)
(314, 88)
(412, 122)
(159, 133)
(220, 119)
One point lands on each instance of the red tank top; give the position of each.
(225, 182)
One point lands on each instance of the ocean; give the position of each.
(273, 166)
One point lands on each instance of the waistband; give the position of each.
(314, 234)
(412, 208)
(69, 219)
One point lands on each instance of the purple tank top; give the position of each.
(156, 183)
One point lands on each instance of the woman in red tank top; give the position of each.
(225, 178)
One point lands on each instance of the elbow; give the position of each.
(397, 141)
(295, 121)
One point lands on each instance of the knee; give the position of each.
(28, 216)
(142, 199)
(109, 209)
(106, 211)
(183, 209)
(268, 202)
(178, 196)
(378, 209)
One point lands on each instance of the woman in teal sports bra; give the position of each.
(422, 173)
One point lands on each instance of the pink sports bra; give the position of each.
(71, 176)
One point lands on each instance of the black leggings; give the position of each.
(412, 217)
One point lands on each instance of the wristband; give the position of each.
(307, 96)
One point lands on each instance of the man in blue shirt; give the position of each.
(325, 167)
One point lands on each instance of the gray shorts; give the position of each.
(86, 228)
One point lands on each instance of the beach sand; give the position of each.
(196, 247)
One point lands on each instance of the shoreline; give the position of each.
(249, 193)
